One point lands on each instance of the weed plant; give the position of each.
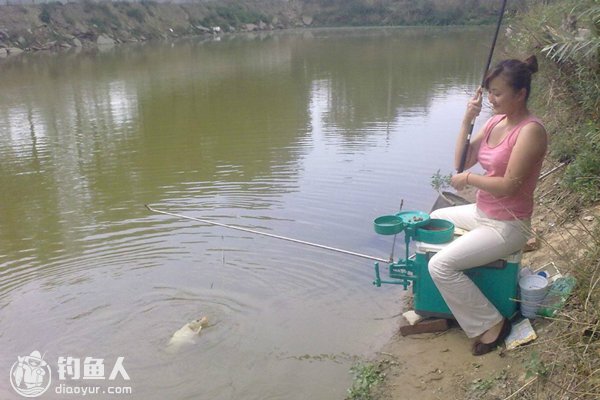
(366, 376)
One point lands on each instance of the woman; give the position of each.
(510, 148)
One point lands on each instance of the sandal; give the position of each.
(480, 348)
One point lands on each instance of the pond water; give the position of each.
(305, 134)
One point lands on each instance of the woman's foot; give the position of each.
(491, 338)
(491, 334)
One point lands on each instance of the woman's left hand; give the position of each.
(459, 181)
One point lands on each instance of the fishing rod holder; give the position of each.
(409, 222)
(400, 273)
(496, 280)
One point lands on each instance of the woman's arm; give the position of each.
(530, 148)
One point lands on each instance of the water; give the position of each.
(307, 134)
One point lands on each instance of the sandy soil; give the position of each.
(440, 366)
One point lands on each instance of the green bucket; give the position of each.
(436, 231)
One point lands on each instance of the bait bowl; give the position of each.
(435, 231)
(388, 225)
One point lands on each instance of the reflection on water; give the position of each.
(305, 134)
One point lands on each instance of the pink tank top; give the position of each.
(494, 161)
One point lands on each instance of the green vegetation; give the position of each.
(366, 376)
(149, 19)
(535, 366)
(45, 14)
(440, 182)
(402, 12)
(232, 15)
(479, 388)
(136, 14)
(566, 34)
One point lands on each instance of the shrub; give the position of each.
(136, 14)
(45, 14)
(583, 174)
(565, 35)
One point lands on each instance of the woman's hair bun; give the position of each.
(532, 64)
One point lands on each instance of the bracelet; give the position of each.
(467, 180)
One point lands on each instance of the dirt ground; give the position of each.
(440, 366)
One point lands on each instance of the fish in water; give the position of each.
(188, 332)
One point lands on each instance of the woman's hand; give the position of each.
(459, 181)
(474, 106)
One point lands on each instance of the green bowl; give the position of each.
(388, 225)
(414, 219)
(435, 231)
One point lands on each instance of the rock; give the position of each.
(49, 45)
(77, 43)
(3, 52)
(202, 28)
(104, 40)
(251, 27)
(307, 20)
(86, 35)
(532, 244)
(588, 218)
(12, 51)
(79, 27)
(262, 26)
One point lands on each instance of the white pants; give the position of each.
(487, 240)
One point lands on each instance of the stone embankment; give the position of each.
(55, 26)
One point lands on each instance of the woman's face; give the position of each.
(503, 98)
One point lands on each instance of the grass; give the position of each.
(366, 376)
(479, 388)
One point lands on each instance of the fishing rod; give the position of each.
(463, 158)
(238, 228)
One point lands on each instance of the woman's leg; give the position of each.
(489, 241)
(464, 217)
